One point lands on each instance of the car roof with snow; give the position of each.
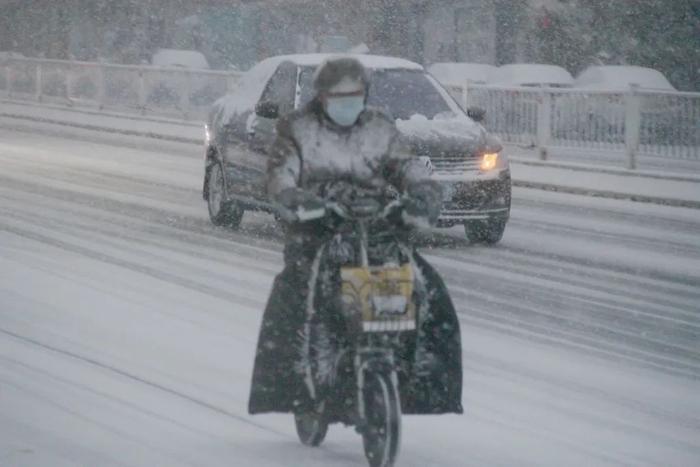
(531, 74)
(456, 74)
(252, 83)
(620, 77)
(375, 62)
(182, 58)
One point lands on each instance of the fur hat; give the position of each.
(340, 74)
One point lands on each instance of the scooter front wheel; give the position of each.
(381, 434)
(312, 426)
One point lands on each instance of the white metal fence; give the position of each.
(180, 92)
(636, 123)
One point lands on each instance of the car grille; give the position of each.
(454, 165)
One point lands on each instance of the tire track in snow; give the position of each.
(517, 323)
(141, 380)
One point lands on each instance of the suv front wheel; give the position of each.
(221, 212)
(488, 231)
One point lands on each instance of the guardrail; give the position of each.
(181, 92)
(636, 122)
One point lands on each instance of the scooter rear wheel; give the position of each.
(381, 435)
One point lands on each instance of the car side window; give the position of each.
(281, 88)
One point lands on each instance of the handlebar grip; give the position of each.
(304, 215)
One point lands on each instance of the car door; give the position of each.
(254, 135)
(281, 92)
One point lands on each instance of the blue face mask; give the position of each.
(345, 110)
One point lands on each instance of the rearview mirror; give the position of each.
(476, 113)
(267, 109)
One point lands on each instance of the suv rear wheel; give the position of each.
(221, 212)
(485, 231)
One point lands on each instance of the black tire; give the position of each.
(221, 212)
(381, 436)
(312, 426)
(485, 231)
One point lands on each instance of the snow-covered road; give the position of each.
(128, 324)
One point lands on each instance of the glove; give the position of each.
(294, 200)
(424, 199)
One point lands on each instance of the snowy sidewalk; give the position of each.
(671, 188)
(93, 119)
(658, 188)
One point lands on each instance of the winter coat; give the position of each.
(310, 150)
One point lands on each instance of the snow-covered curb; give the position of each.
(695, 204)
(674, 176)
(82, 110)
(104, 129)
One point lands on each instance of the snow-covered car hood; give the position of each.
(446, 136)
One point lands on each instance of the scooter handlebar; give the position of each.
(305, 214)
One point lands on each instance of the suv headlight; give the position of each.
(489, 161)
(207, 135)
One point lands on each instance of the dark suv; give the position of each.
(463, 157)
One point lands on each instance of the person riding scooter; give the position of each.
(336, 138)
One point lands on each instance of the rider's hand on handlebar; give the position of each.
(424, 200)
(298, 205)
(294, 198)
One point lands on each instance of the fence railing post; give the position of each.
(544, 123)
(633, 118)
(38, 82)
(69, 80)
(142, 92)
(185, 94)
(231, 82)
(465, 95)
(8, 79)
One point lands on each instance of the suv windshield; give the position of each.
(401, 93)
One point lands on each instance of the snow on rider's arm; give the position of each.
(400, 167)
(284, 163)
(410, 175)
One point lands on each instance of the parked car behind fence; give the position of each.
(663, 120)
(512, 102)
(604, 114)
(454, 76)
